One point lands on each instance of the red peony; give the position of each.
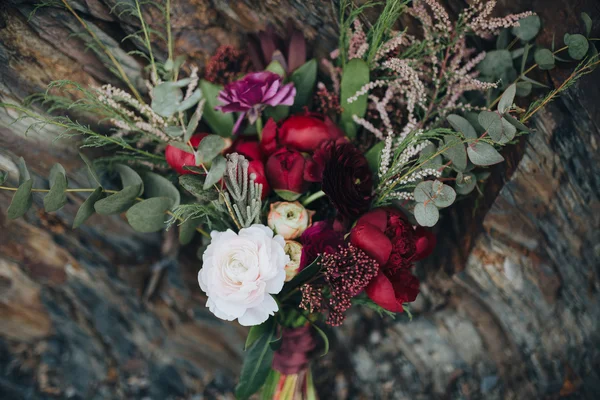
(248, 146)
(386, 235)
(301, 132)
(285, 172)
(178, 158)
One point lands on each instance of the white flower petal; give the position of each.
(258, 315)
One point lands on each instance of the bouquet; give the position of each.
(313, 184)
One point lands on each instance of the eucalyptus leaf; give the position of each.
(455, 152)
(528, 28)
(23, 171)
(443, 195)
(195, 185)
(507, 98)
(118, 202)
(481, 153)
(187, 230)
(192, 125)
(495, 63)
(21, 201)
(516, 123)
(426, 214)
(463, 126)
(354, 77)
(465, 183)
(256, 367)
(498, 128)
(3, 177)
(149, 215)
(304, 79)
(424, 192)
(87, 208)
(173, 131)
(166, 97)
(373, 156)
(57, 197)
(129, 177)
(210, 146)
(578, 46)
(587, 21)
(523, 89)
(158, 186)
(190, 101)
(217, 170)
(219, 122)
(91, 169)
(428, 159)
(544, 58)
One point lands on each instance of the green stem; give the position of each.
(313, 197)
(169, 34)
(147, 39)
(259, 128)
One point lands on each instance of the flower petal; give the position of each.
(381, 291)
(372, 241)
(425, 242)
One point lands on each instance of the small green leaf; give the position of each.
(443, 195)
(515, 122)
(528, 28)
(158, 186)
(373, 156)
(173, 131)
(428, 159)
(3, 177)
(276, 67)
(21, 201)
(495, 63)
(217, 170)
(497, 127)
(507, 99)
(192, 125)
(578, 46)
(587, 21)
(166, 98)
(190, 101)
(57, 197)
(256, 367)
(277, 113)
(288, 195)
(324, 337)
(87, 208)
(465, 183)
(463, 126)
(195, 185)
(354, 77)
(91, 169)
(304, 78)
(424, 192)
(544, 58)
(187, 230)
(426, 214)
(118, 202)
(257, 331)
(455, 152)
(220, 123)
(149, 215)
(129, 177)
(23, 171)
(523, 89)
(503, 39)
(481, 153)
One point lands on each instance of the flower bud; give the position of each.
(289, 220)
(294, 250)
(285, 172)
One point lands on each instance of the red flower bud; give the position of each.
(285, 172)
(306, 132)
(178, 158)
(249, 147)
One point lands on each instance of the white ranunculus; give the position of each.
(241, 271)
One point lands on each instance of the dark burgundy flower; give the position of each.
(386, 235)
(301, 132)
(319, 238)
(178, 158)
(344, 175)
(285, 172)
(252, 93)
(226, 65)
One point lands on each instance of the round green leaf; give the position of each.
(217, 170)
(21, 201)
(209, 148)
(507, 99)
(443, 195)
(423, 192)
(91, 169)
(516, 123)
(578, 46)
(426, 214)
(499, 129)
(465, 183)
(528, 28)
(481, 153)
(23, 171)
(495, 63)
(166, 98)
(87, 208)
(158, 186)
(587, 21)
(544, 58)
(455, 152)
(463, 126)
(149, 215)
(129, 177)
(118, 202)
(523, 89)
(57, 197)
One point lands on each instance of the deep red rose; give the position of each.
(257, 167)
(285, 172)
(345, 177)
(317, 239)
(178, 158)
(301, 132)
(386, 235)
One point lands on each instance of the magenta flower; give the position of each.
(254, 92)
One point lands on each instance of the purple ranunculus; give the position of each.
(252, 93)
(317, 239)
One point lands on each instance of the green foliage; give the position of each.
(210, 147)
(216, 172)
(87, 208)
(426, 214)
(495, 63)
(528, 28)
(57, 197)
(187, 230)
(354, 77)
(544, 58)
(118, 202)
(158, 186)
(365, 301)
(256, 366)
(481, 153)
(21, 201)
(166, 98)
(455, 152)
(373, 157)
(463, 126)
(219, 122)
(3, 177)
(304, 79)
(578, 45)
(149, 215)
(303, 276)
(195, 185)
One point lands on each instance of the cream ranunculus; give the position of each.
(294, 250)
(289, 219)
(241, 271)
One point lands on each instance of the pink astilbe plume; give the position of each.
(479, 20)
(346, 274)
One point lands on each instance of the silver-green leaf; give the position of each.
(149, 215)
(87, 208)
(528, 28)
(463, 126)
(443, 195)
(158, 186)
(455, 152)
(210, 147)
(426, 214)
(481, 153)
(118, 202)
(507, 99)
(57, 197)
(21, 201)
(217, 170)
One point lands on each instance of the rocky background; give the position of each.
(510, 307)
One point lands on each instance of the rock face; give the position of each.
(510, 306)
